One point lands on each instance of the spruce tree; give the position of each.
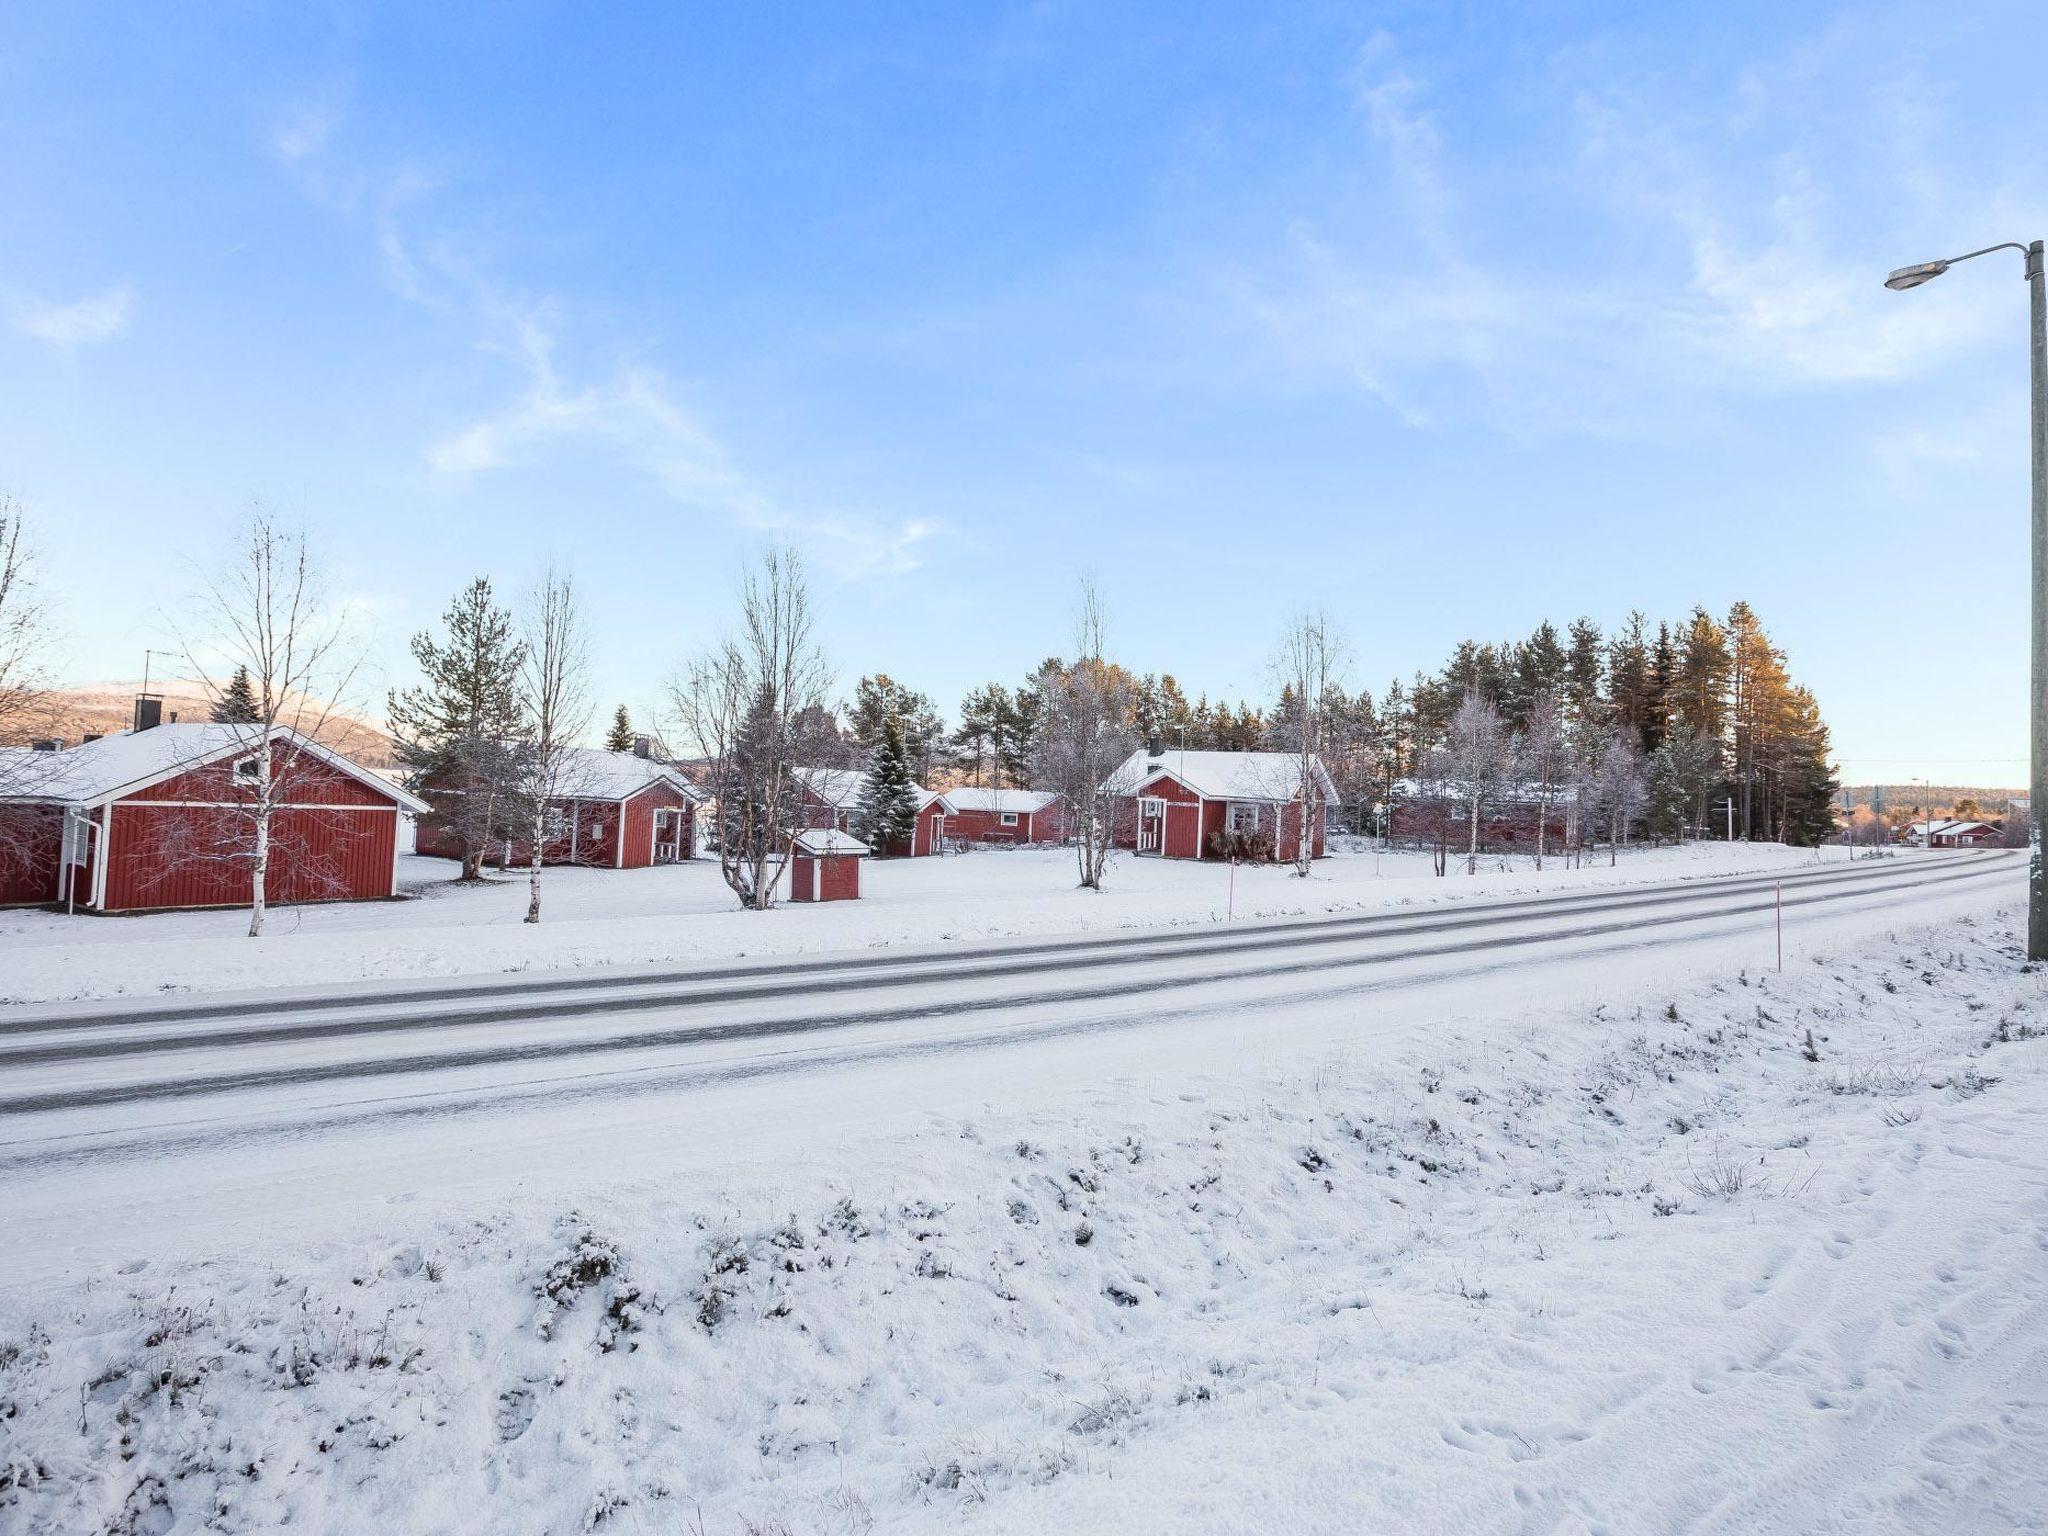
(620, 737)
(886, 816)
(237, 702)
(458, 731)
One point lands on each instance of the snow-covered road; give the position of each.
(147, 1113)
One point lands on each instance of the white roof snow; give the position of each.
(98, 771)
(840, 787)
(824, 840)
(1025, 802)
(1947, 826)
(591, 773)
(1222, 775)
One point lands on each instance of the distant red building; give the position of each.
(161, 818)
(619, 810)
(1436, 814)
(1007, 816)
(831, 798)
(1198, 805)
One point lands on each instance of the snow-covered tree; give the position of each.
(267, 612)
(751, 707)
(1479, 759)
(1545, 753)
(237, 702)
(25, 711)
(1308, 663)
(554, 705)
(1084, 733)
(886, 816)
(458, 728)
(1615, 788)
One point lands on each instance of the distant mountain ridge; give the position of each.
(84, 709)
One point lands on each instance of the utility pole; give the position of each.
(2037, 379)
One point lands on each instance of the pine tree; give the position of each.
(1628, 680)
(1585, 707)
(620, 737)
(237, 703)
(886, 816)
(458, 731)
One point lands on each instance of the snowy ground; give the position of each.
(1738, 1253)
(683, 913)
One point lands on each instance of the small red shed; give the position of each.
(165, 818)
(824, 865)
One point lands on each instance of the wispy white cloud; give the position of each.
(627, 408)
(97, 317)
(1717, 256)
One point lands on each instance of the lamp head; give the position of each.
(1914, 276)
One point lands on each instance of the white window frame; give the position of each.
(254, 775)
(1242, 816)
(1010, 818)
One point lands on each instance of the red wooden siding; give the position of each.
(188, 856)
(31, 842)
(1052, 823)
(307, 780)
(640, 809)
(836, 877)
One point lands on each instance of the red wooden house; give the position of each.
(830, 798)
(161, 818)
(1007, 816)
(1438, 815)
(617, 810)
(1198, 805)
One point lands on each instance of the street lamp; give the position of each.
(2037, 875)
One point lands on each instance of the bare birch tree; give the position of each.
(24, 701)
(750, 707)
(1618, 787)
(267, 612)
(554, 685)
(1310, 657)
(1546, 757)
(1085, 733)
(23, 631)
(1480, 758)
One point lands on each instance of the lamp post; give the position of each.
(2037, 704)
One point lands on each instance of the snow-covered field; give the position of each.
(684, 913)
(1758, 1253)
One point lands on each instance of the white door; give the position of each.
(1151, 825)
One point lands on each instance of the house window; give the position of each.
(1009, 818)
(555, 823)
(248, 769)
(1241, 817)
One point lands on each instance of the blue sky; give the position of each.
(1442, 318)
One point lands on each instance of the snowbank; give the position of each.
(683, 914)
(1770, 1254)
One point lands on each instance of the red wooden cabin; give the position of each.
(1189, 805)
(831, 796)
(1007, 816)
(1435, 816)
(618, 810)
(161, 818)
